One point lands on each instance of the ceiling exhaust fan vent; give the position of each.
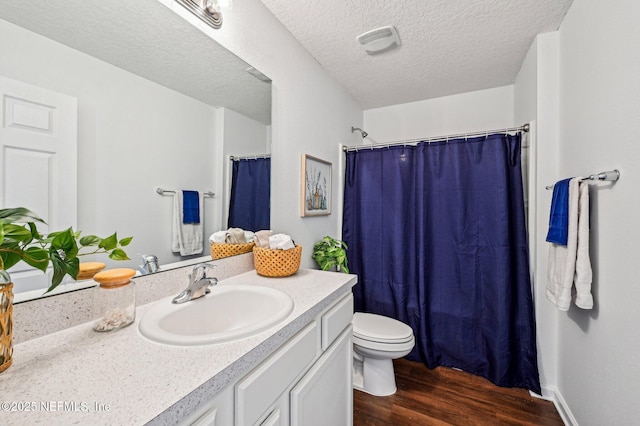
(379, 40)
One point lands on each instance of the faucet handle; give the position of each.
(203, 267)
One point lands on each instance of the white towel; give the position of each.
(261, 238)
(221, 237)
(281, 241)
(249, 236)
(584, 276)
(186, 238)
(570, 263)
(218, 237)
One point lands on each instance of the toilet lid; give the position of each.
(380, 328)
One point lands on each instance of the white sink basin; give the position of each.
(226, 314)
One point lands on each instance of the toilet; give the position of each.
(377, 340)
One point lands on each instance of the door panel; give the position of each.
(38, 156)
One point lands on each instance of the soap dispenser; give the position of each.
(114, 299)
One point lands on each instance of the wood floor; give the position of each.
(445, 396)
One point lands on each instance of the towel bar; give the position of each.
(170, 191)
(608, 176)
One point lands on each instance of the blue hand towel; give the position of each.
(559, 214)
(190, 207)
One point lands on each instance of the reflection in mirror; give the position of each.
(158, 104)
(250, 202)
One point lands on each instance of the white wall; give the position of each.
(133, 135)
(468, 112)
(536, 100)
(312, 113)
(586, 103)
(598, 372)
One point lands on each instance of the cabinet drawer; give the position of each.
(260, 389)
(336, 319)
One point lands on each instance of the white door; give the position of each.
(38, 160)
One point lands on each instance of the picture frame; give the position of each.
(315, 185)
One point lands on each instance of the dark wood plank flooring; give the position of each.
(444, 396)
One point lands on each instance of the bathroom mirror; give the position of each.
(159, 105)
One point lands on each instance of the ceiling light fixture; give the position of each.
(379, 40)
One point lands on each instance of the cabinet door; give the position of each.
(276, 417)
(216, 412)
(260, 390)
(324, 395)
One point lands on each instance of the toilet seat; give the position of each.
(377, 329)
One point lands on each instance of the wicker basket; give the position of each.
(220, 250)
(6, 326)
(277, 263)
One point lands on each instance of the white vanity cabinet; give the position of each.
(324, 395)
(306, 382)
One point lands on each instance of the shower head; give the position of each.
(362, 132)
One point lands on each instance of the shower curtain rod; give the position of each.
(248, 157)
(524, 128)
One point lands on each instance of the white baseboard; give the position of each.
(551, 393)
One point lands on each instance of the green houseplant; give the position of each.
(20, 240)
(329, 252)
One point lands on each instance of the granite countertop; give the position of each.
(81, 376)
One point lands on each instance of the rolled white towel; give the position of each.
(235, 236)
(248, 236)
(261, 238)
(281, 241)
(218, 237)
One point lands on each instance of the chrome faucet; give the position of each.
(150, 263)
(199, 284)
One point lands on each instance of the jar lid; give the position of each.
(89, 269)
(112, 278)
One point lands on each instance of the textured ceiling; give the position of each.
(448, 46)
(147, 39)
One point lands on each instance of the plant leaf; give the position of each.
(34, 231)
(66, 242)
(118, 254)
(17, 233)
(36, 257)
(73, 267)
(109, 243)
(9, 259)
(90, 240)
(19, 215)
(125, 242)
(59, 269)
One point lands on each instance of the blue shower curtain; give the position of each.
(250, 204)
(436, 234)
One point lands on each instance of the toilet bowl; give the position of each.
(377, 340)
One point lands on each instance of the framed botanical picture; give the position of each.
(316, 187)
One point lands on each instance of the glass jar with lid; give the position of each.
(114, 299)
